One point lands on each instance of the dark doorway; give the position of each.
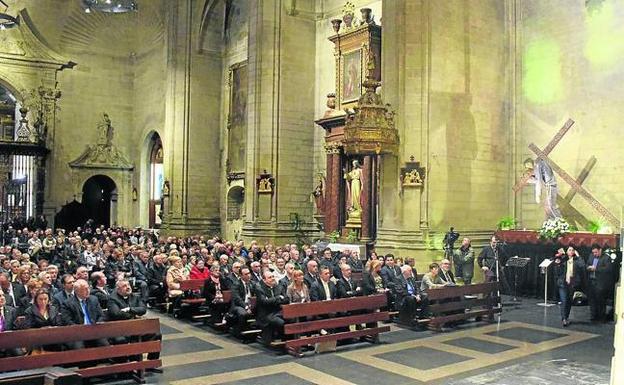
(98, 194)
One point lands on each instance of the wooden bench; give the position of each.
(456, 303)
(363, 310)
(30, 338)
(45, 376)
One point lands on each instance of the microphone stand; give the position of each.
(500, 301)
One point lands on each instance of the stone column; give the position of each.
(191, 142)
(280, 118)
(367, 198)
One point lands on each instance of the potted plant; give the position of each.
(554, 228)
(333, 236)
(507, 223)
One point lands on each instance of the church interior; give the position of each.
(369, 128)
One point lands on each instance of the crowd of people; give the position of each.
(96, 274)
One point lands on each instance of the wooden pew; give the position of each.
(366, 309)
(45, 376)
(63, 334)
(456, 303)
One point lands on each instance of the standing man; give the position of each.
(464, 258)
(487, 262)
(600, 283)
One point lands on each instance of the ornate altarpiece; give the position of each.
(358, 127)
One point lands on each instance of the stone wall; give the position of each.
(445, 75)
(570, 64)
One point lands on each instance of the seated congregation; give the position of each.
(96, 276)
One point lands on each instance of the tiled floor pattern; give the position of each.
(192, 355)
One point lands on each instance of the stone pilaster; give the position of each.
(280, 119)
(191, 146)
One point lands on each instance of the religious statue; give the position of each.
(542, 175)
(412, 178)
(354, 179)
(106, 130)
(264, 186)
(319, 194)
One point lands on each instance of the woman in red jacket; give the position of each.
(200, 271)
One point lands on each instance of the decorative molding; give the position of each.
(333, 147)
(232, 176)
(104, 155)
(26, 46)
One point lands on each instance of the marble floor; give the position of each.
(526, 346)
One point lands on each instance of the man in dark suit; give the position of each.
(601, 282)
(345, 286)
(288, 278)
(68, 291)
(124, 305)
(311, 274)
(323, 289)
(391, 276)
(256, 272)
(240, 307)
(411, 300)
(390, 272)
(156, 277)
(446, 275)
(100, 289)
(13, 291)
(83, 309)
(270, 299)
(140, 274)
(8, 314)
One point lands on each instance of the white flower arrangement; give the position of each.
(554, 228)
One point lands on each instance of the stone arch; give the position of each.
(235, 202)
(143, 175)
(99, 197)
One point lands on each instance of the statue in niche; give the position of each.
(354, 183)
(106, 131)
(412, 178)
(264, 186)
(542, 175)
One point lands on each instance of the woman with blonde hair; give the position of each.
(371, 280)
(175, 274)
(297, 291)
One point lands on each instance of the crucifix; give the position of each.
(574, 183)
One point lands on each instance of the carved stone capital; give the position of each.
(333, 147)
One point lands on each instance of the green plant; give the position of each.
(352, 237)
(507, 222)
(333, 236)
(593, 226)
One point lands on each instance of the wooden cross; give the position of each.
(576, 186)
(555, 140)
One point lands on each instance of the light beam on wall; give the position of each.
(542, 83)
(604, 46)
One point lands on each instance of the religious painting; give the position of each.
(351, 76)
(237, 122)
